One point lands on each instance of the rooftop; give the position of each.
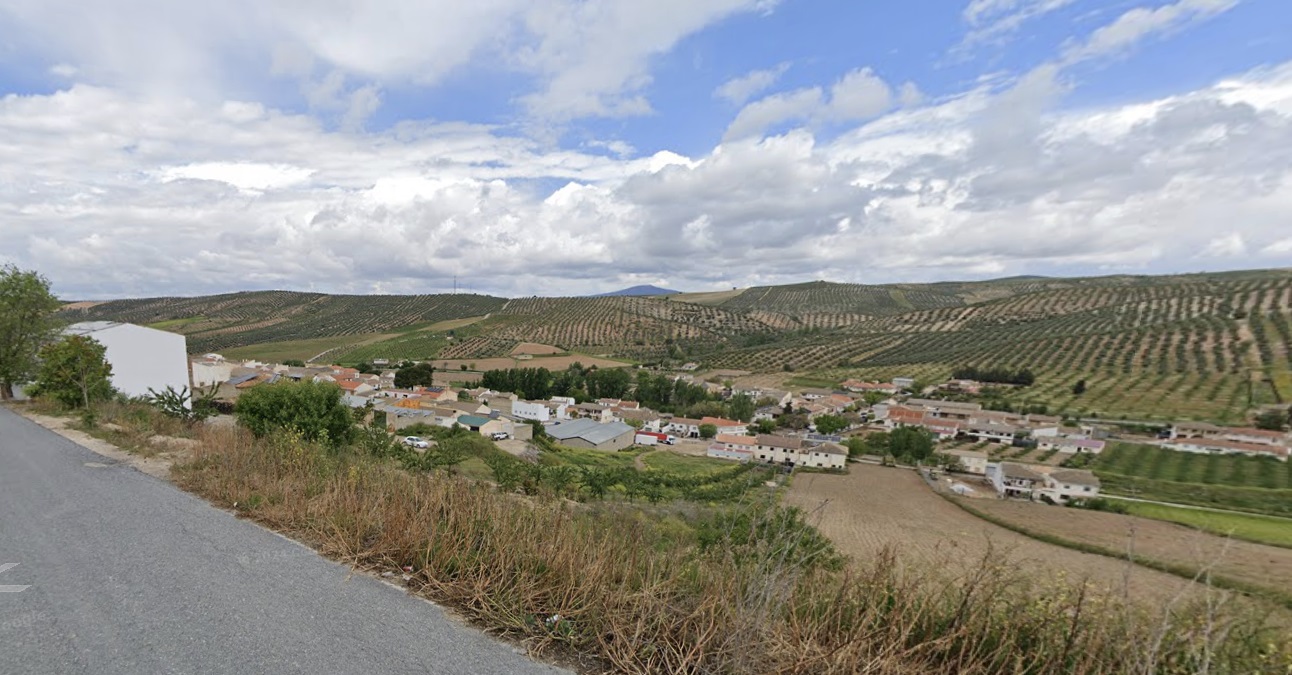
(589, 430)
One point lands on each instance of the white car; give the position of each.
(415, 442)
(499, 436)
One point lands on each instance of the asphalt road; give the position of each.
(128, 574)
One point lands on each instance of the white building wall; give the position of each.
(144, 358)
(531, 411)
(207, 374)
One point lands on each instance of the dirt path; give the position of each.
(157, 465)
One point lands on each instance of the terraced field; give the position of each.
(222, 322)
(1206, 347)
(1210, 346)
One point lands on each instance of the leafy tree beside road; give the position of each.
(26, 322)
(74, 371)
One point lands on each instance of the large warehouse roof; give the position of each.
(589, 430)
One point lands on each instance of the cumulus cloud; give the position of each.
(858, 95)
(739, 90)
(113, 193)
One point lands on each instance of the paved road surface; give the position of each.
(128, 574)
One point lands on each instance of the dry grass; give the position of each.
(687, 592)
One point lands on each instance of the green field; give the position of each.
(1161, 464)
(684, 465)
(588, 458)
(414, 346)
(174, 325)
(1256, 528)
(277, 352)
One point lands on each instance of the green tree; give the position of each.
(877, 443)
(912, 442)
(1079, 388)
(314, 409)
(708, 431)
(741, 407)
(26, 322)
(763, 427)
(465, 396)
(74, 371)
(416, 375)
(830, 424)
(294, 363)
(1271, 420)
(856, 446)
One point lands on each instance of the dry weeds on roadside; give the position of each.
(637, 594)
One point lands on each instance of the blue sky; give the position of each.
(566, 146)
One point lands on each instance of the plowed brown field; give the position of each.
(1167, 542)
(875, 507)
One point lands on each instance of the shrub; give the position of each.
(314, 409)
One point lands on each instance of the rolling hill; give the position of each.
(1208, 346)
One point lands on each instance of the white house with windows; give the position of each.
(527, 410)
(1014, 480)
(1064, 485)
(1070, 445)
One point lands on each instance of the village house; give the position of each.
(955, 410)
(531, 410)
(1221, 446)
(970, 461)
(814, 394)
(205, 372)
(683, 427)
(1014, 480)
(485, 426)
(593, 411)
(355, 387)
(903, 382)
(991, 431)
(725, 426)
(649, 419)
(1070, 445)
(1063, 485)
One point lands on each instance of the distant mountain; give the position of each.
(639, 290)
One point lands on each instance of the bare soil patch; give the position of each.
(157, 465)
(535, 348)
(875, 508)
(1257, 564)
(552, 363)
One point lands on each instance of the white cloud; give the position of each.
(587, 59)
(859, 95)
(994, 20)
(1140, 23)
(115, 193)
(64, 70)
(740, 89)
(756, 117)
